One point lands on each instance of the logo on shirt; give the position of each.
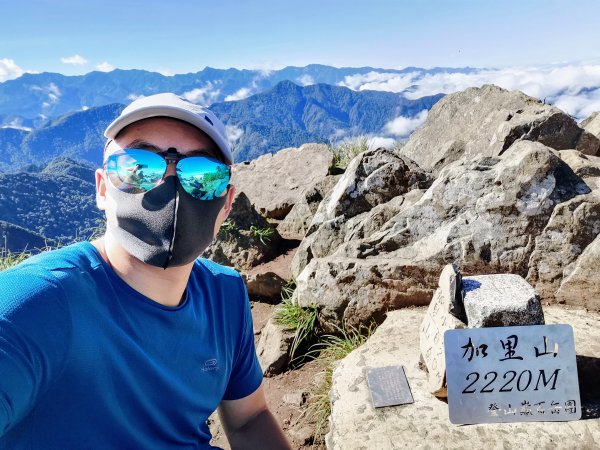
(210, 365)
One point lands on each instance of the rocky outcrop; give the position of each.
(275, 182)
(573, 226)
(486, 121)
(592, 124)
(238, 243)
(352, 209)
(296, 223)
(483, 213)
(355, 424)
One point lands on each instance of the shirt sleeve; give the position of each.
(35, 326)
(246, 375)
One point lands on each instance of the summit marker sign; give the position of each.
(512, 374)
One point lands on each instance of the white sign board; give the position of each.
(512, 374)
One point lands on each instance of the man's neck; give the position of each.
(164, 286)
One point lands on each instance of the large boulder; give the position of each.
(238, 244)
(580, 283)
(592, 124)
(482, 213)
(296, 223)
(573, 226)
(275, 182)
(487, 121)
(373, 178)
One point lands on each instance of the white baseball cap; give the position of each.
(171, 105)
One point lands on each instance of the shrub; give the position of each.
(345, 151)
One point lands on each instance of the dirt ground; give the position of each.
(286, 393)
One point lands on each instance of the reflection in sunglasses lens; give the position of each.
(135, 171)
(203, 178)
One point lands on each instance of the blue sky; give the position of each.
(185, 36)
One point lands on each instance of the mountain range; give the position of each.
(33, 98)
(286, 115)
(51, 130)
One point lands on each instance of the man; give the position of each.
(130, 341)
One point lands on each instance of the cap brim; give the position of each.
(167, 111)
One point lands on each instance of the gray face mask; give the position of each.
(164, 227)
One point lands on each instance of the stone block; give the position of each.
(437, 320)
(501, 300)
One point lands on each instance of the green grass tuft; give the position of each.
(345, 151)
(293, 317)
(9, 259)
(330, 349)
(264, 234)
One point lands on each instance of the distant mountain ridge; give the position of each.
(32, 98)
(57, 203)
(286, 115)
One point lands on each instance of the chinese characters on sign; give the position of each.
(512, 374)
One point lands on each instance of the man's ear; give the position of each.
(229, 201)
(100, 189)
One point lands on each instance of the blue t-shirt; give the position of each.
(88, 362)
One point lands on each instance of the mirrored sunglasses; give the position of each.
(136, 171)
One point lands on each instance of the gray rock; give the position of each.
(296, 223)
(573, 226)
(580, 283)
(585, 166)
(486, 121)
(275, 182)
(372, 178)
(297, 398)
(483, 214)
(239, 247)
(273, 348)
(501, 300)
(431, 333)
(354, 423)
(264, 286)
(592, 124)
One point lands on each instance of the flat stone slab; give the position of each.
(500, 301)
(356, 424)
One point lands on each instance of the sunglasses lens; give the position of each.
(135, 171)
(203, 178)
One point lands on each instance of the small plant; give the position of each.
(331, 349)
(293, 317)
(264, 234)
(9, 259)
(345, 151)
(227, 228)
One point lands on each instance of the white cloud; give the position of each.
(377, 81)
(306, 80)
(239, 95)
(17, 124)
(165, 71)
(570, 87)
(105, 67)
(402, 126)
(133, 97)
(234, 134)
(53, 93)
(9, 70)
(206, 95)
(380, 141)
(75, 60)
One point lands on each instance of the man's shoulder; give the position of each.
(214, 269)
(75, 256)
(48, 271)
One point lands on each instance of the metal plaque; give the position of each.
(512, 374)
(389, 386)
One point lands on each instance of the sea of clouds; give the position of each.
(573, 88)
